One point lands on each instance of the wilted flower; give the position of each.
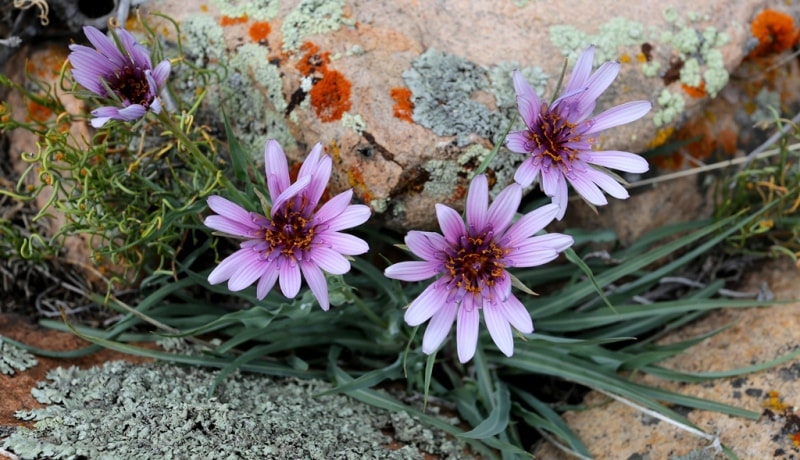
(471, 263)
(297, 240)
(559, 137)
(121, 70)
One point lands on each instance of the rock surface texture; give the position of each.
(612, 430)
(411, 96)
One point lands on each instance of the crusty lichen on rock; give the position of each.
(126, 411)
(311, 17)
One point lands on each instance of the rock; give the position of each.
(409, 97)
(611, 429)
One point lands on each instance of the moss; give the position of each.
(259, 10)
(670, 105)
(442, 87)
(311, 17)
(125, 411)
(14, 359)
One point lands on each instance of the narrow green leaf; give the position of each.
(498, 418)
(238, 155)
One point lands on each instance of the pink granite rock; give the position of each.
(411, 96)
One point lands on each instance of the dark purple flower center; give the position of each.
(475, 262)
(290, 232)
(551, 135)
(130, 84)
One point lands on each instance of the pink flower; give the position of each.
(297, 240)
(470, 262)
(121, 71)
(559, 138)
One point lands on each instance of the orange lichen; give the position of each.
(661, 136)
(204, 8)
(356, 180)
(795, 437)
(641, 58)
(625, 59)
(727, 140)
(38, 112)
(312, 60)
(696, 92)
(774, 31)
(229, 21)
(403, 107)
(330, 96)
(774, 402)
(259, 31)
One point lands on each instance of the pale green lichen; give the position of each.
(716, 75)
(252, 60)
(259, 10)
(311, 17)
(203, 39)
(442, 177)
(126, 411)
(442, 87)
(615, 33)
(670, 105)
(355, 122)
(502, 84)
(650, 69)
(14, 359)
(690, 72)
(670, 15)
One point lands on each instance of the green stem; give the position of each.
(187, 143)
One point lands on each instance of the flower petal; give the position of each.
(289, 193)
(161, 73)
(131, 112)
(137, 53)
(504, 207)
(516, 314)
(353, 216)
(225, 225)
(498, 328)
(276, 168)
(527, 173)
(517, 141)
(614, 159)
(588, 190)
(316, 281)
(104, 45)
(561, 197)
(426, 245)
(619, 115)
(230, 264)
(344, 243)
(267, 280)
(607, 183)
(430, 301)
(230, 210)
(290, 278)
(333, 207)
(247, 272)
(450, 222)
(477, 203)
(439, 326)
(598, 82)
(529, 224)
(329, 260)
(528, 101)
(414, 270)
(467, 329)
(581, 71)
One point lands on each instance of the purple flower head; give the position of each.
(120, 70)
(559, 137)
(297, 239)
(470, 262)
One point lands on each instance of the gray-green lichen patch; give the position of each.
(311, 17)
(14, 358)
(203, 39)
(442, 89)
(125, 411)
(502, 84)
(617, 32)
(259, 10)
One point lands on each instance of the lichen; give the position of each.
(617, 32)
(14, 358)
(355, 122)
(259, 10)
(442, 87)
(311, 17)
(126, 411)
(690, 72)
(502, 84)
(670, 105)
(716, 75)
(203, 39)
